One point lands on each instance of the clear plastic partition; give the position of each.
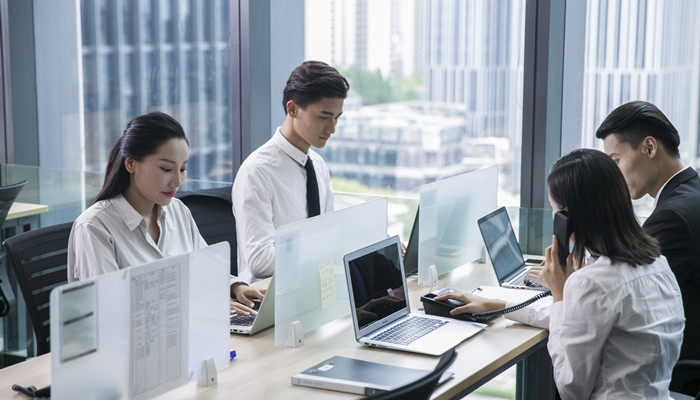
(447, 226)
(310, 284)
(141, 331)
(533, 228)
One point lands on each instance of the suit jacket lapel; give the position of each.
(684, 175)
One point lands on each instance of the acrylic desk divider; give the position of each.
(141, 331)
(448, 212)
(310, 285)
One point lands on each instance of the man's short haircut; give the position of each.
(633, 121)
(311, 81)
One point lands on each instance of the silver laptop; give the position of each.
(504, 251)
(265, 318)
(380, 308)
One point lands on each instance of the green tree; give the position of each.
(374, 89)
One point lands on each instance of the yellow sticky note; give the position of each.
(325, 272)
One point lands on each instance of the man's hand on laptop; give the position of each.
(244, 296)
(535, 276)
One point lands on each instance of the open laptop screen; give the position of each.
(501, 243)
(376, 282)
(410, 259)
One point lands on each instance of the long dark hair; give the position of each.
(142, 137)
(600, 210)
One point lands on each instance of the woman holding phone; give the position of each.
(616, 319)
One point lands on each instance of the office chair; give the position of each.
(39, 259)
(422, 388)
(686, 380)
(8, 194)
(212, 212)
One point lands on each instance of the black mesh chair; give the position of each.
(686, 379)
(39, 259)
(422, 388)
(8, 194)
(213, 213)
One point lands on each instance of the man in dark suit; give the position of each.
(644, 144)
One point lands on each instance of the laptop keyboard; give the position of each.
(520, 281)
(409, 330)
(242, 320)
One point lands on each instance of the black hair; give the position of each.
(311, 81)
(141, 138)
(591, 186)
(633, 121)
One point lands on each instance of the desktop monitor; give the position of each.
(449, 210)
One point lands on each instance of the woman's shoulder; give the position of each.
(96, 211)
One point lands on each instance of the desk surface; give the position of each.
(20, 210)
(262, 370)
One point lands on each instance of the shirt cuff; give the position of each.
(233, 279)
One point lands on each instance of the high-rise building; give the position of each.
(626, 59)
(399, 146)
(139, 56)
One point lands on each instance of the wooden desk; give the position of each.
(262, 370)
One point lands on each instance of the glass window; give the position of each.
(648, 51)
(141, 55)
(427, 78)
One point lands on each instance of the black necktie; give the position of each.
(312, 202)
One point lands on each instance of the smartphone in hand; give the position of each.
(562, 231)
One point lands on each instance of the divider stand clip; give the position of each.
(296, 335)
(432, 277)
(209, 376)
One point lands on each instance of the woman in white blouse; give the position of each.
(135, 219)
(616, 320)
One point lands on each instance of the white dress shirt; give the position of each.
(111, 235)
(616, 334)
(270, 191)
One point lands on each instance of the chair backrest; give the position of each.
(212, 212)
(8, 194)
(39, 259)
(686, 379)
(422, 388)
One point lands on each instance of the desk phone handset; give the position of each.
(442, 308)
(562, 231)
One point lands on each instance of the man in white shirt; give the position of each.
(272, 187)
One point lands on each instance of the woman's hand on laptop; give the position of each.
(244, 298)
(472, 304)
(535, 276)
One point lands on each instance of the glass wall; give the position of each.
(643, 50)
(436, 91)
(132, 57)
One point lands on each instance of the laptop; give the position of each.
(504, 251)
(380, 308)
(265, 318)
(410, 259)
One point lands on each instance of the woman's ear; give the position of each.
(129, 164)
